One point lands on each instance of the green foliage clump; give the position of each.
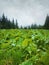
(24, 47)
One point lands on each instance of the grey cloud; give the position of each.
(26, 11)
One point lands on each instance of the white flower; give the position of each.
(33, 36)
(38, 50)
(13, 44)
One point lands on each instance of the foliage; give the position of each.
(24, 47)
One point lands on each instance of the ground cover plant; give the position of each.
(24, 47)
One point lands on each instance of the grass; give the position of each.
(24, 47)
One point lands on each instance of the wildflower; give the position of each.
(13, 44)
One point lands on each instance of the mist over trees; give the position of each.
(7, 24)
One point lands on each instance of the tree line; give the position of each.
(7, 24)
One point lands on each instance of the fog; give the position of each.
(25, 11)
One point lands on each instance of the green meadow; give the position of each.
(24, 47)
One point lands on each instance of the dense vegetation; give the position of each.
(7, 24)
(24, 47)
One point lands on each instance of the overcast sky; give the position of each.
(25, 11)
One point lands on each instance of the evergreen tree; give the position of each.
(29, 27)
(3, 22)
(46, 25)
(13, 24)
(25, 27)
(35, 26)
(32, 26)
(0, 24)
(16, 26)
(21, 27)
